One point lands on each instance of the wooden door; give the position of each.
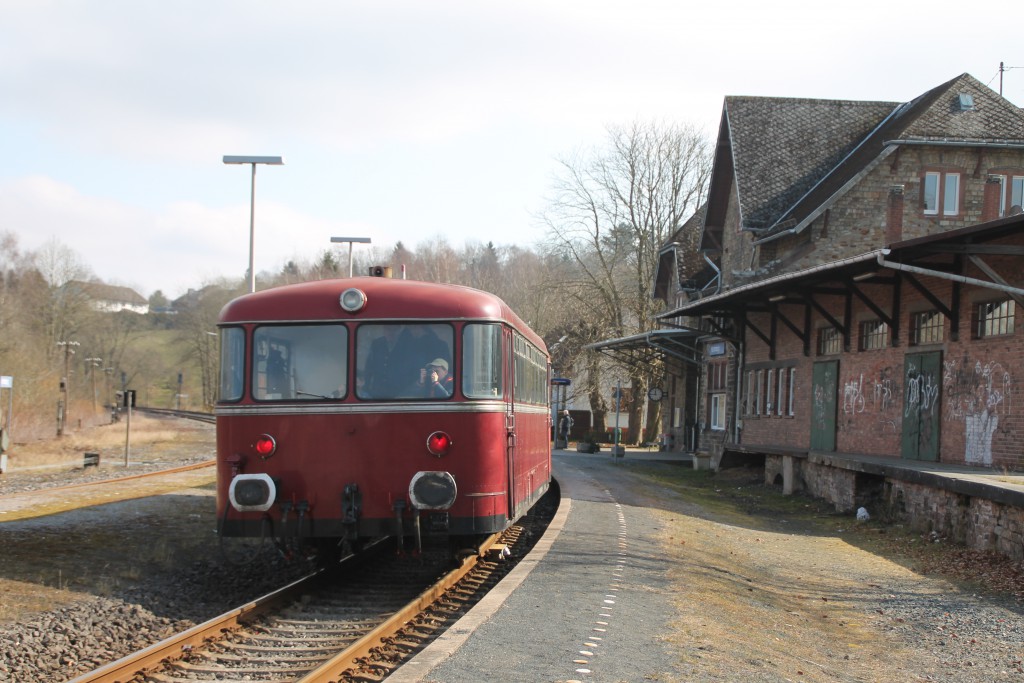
(922, 384)
(825, 390)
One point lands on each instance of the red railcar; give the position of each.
(365, 407)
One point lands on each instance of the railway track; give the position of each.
(185, 414)
(356, 622)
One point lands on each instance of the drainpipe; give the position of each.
(739, 393)
(1016, 291)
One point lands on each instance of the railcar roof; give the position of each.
(386, 298)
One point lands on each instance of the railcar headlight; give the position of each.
(432, 490)
(252, 492)
(439, 443)
(352, 300)
(266, 446)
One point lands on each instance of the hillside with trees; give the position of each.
(609, 213)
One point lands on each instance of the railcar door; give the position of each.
(510, 418)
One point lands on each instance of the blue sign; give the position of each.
(560, 382)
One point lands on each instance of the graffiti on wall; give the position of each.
(922, 392)
(875, 394)
(977, 393)
(872, 392)
(853, 395)
(884, 390)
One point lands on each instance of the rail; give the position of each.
(184, 646)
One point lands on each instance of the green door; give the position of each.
(922, 381)
(825, 383)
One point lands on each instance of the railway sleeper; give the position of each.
(284, 629)
(267, 670)
(310, 661)
(311, 652)
(164, 677)
(328, 621)
(314, 640)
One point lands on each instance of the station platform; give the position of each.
(587, 604)
(594, 601)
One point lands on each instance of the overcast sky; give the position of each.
(397, 120)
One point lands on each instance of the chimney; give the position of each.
(894, 215)
(990, 201)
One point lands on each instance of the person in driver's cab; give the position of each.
(434, 379)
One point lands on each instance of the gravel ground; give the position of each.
(85, 587)
(773, 588)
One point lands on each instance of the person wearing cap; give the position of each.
(434, 379)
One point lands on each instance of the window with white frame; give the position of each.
(718, 412)
(769, 395)
(792, 387)
(940, 192)
(749, 408)
(759, 396)
(1011, 192)
(718, 375)
(780, 403)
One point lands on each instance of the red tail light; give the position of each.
(439, 444)
(265, 446)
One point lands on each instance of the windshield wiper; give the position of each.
(306, 393)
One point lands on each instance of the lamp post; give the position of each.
(350, 240)
(251, 160)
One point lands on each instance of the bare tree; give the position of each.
(610, 212)
(197, 330)
(61, 305)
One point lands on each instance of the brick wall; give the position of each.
(859, 220)
(979, 404)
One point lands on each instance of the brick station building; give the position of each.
(852, 298)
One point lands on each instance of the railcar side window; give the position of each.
(232, 363)
(531, 372)
(397, 361)
(299, 362)
(481, 361)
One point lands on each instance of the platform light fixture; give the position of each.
(350, 240)
(253, 161)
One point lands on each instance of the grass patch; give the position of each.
(738, 496)
(108, 440)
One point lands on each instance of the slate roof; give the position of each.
(782, 147)
(791, 156)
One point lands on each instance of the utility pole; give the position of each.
(63, 408)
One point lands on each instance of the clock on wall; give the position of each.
(655, 393)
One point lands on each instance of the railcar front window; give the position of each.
(232, 363)
(404, 361)
(481, 361)
(299, 362)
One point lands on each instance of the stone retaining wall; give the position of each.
(974, 522)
